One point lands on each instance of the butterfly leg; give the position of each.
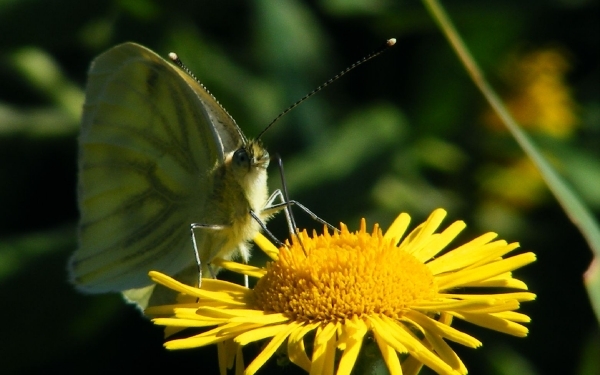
(271, 208)
(194, 226)
(286, 203)
(245, 254)
(263, 226)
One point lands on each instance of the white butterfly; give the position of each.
(158, 153)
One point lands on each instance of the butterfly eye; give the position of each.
(241, 158)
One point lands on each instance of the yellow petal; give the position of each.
(462, 255)
(198, 341)
(259, 334)
(438, 242)
(265, 245)
(264, 319)
(211, 312)
(445, 352)
(172, 322)
(442, 330)
(459, 278)
(355, 331)
(241, 268)
(296, 350)
(397, 229)
(493, 322)
(416, 348)
(389, 355)
(271, 347)
(381, 330)
(415, 239)
(324, 350)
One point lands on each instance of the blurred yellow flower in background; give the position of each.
(540, 98)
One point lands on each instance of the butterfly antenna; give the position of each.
(388, 43)
(177, 61)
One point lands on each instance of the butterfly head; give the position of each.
(248, 165)
(250, 156)
(249, 162)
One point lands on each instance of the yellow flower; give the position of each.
(347, 285)
(541, 98)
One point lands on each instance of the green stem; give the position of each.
(570, 202)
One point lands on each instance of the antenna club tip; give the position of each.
(390, 42)
(173, 56)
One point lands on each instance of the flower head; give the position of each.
(541, 98)
(346, 285)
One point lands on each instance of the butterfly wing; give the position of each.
(230, 137)
(148, 145)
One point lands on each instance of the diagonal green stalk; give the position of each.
(570, 202)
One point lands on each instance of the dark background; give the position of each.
(406, 132)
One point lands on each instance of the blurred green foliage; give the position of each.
(406, 132)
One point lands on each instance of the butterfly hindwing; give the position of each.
(147, 148)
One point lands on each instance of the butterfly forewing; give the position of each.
(230, 135)
(147, 148)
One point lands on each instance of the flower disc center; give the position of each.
(334, 277)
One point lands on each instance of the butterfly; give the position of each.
(157, 153)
